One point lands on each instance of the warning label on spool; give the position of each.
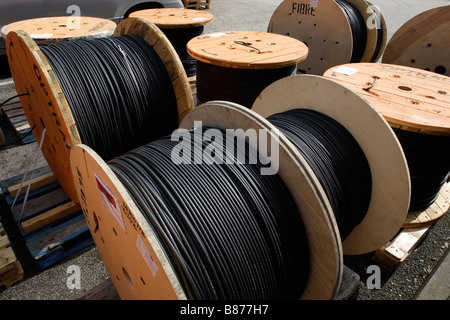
(110, 201)
(147, 256)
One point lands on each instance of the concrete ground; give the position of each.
(424, 275)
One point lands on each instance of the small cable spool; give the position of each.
(51, 30)
(236, 66)
(47, 107)
(180, 26)
(390, 196)
(416, 105)
(422, 42)
(140, 267)
(356, 33)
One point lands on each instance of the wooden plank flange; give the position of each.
(416, 219)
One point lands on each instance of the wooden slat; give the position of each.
(7, 259)
(395, 252)
(50, 216)
(35, 184)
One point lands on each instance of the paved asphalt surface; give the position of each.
(404, 284)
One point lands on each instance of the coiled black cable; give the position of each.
(240, 86)
(179, 39)
(358, 27)
(336, 159)
(118, 91)
(429, 165)
(229, 232)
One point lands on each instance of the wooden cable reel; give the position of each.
(139, 267)
(229, 57)
(390, 176)
(46, 106)
(51, 30)
(173, 22)
(422, 42)
(411, 100)
(330, 40)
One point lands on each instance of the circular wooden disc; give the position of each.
(422, 42)
(324, 29)
(174, 18)
(46, 106)
(221, 49)
(410, 99)
(57, 29)
(390, 175)
(130, 251)
(417, 219)
(323, 235)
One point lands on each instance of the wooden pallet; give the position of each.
(416, 226)
(197, 4)
(17, 118)
(11, 270)
(394, 253)
(52, 225)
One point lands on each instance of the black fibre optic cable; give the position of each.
(336, 159)
(229, 232)
(118, 91)
(179, 37)
(358, 27)
(429, 165)
(240, 86)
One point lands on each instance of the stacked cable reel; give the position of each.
(180, 26)
(148, 259)
(51, 30)
(422, 42)
(336, 31)
(389, 181)
(111, 93)
(236, 66)
(416, 104)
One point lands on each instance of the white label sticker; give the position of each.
(41, 36)
(348, 71)
(217, 35)
(110, 201)
(313, 3)
(147, 256)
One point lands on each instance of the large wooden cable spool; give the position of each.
(51, 30)
(390, 176)
(176, 24)
(46, 106)
(238, 55)
(139, 268)
(412, 101)
(422, 42)
(330, 40)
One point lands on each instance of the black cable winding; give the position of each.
(118, 90)
(179, 39)
(429, 165)
(336, 159)
(358, 27)
(229, 232)
(240, 86)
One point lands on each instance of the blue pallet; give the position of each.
(56, 241)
